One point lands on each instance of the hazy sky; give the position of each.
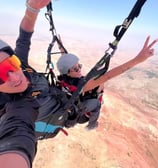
(86, 19)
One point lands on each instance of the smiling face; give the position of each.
(12, 78)
(75, 71)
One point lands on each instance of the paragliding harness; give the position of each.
(51, 123)
(102, 65)
(52, 116)
(69, 85)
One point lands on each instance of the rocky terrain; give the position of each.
(127, 135)
(126, 138)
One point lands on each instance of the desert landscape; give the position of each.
(127, 135)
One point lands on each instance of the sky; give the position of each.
(86, 19)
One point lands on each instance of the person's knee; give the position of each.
(97, 106)
(92, 105)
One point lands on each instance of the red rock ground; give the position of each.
(125, 138)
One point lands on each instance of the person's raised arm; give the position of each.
(27, 27)
(31, 13)
(17, 137)
(146, 52)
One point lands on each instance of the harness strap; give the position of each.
(69, 87)
(50, 66)
(64, 131)
(121, 29)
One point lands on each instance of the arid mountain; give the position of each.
(127, 136)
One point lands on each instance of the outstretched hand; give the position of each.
(147, 50)
(38, 4)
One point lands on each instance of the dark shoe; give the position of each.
(83, 119)
(91, 126)
(70, 123)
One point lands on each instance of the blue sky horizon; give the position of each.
(87, 20)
